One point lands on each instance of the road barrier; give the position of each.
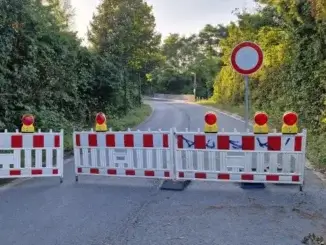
(244, 157)
(124, 154)
(31, 154)
(241, 157)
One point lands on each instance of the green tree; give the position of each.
(124, 32)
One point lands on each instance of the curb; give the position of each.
(146, 120)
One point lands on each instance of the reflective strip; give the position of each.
(122, 139)
(125, 172)
(233, 142)
(245, 177)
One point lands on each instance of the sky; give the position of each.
(172, 16)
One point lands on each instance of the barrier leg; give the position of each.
(175, 185)
(260, 168)
(253, 185)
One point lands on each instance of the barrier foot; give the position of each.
(76, 178)
(252, 185)
(175, 185)
(61, 180)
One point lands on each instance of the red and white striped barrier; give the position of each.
(18, 161)
(240, 157)
(228, 157)
(124, 154)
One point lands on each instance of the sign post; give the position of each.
(246, 59)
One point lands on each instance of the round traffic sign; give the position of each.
(247, 58)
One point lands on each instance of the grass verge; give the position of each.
(132, 119)
(316, 148)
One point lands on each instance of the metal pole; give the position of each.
(195, 85)
(246, 103)
(139, 88)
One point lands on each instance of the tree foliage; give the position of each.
(188, 58)
(44, 70)
(292, 36)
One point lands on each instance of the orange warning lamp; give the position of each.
(290, 120)
(28, 124)
(260, 126)
(210, 123)
(100, 125)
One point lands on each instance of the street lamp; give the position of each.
(195, 83)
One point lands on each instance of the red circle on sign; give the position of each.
(234, 55)
(210, 118)
(261, 118)
(100, 118)
(28, 120)
(290, 118)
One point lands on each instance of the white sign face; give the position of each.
(247, 58)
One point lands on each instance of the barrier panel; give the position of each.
(241, 157)
(37, 154)
(124, 154)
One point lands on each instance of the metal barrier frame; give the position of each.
(82, 152)
(246, 176)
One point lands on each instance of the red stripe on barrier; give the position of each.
(57, 141)
(38, 141)
(298, 143)
(272, 178)
(247, 177)
(180, 141)
(92, 140)
(248, 143)
(296, 178)
(223, 142)
(223, 176)
(55, 171)
(165, 140)
(181, 174)
(37, 171)
(16, 141)
(130, 172)
(200, 141)
(200, 175)
(274, 143)
(94, 171)
(77, 139)
(129, 140)
(15, 172)
(149, 173)
(148, 140)
(112, 172)
(166, 174)
(110, 140)
(79, 170)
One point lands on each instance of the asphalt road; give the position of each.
(122, 211)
